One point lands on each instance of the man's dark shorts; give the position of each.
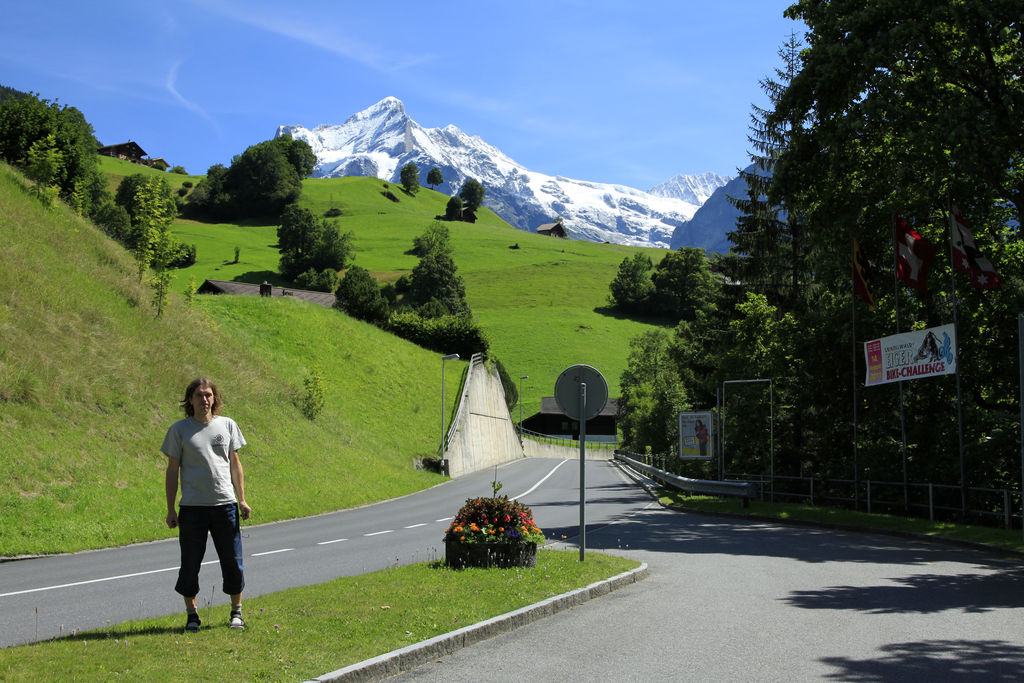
(220, 522)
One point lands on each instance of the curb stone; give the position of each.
(397, 661)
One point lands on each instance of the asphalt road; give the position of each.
(49, 596)
(734, 600)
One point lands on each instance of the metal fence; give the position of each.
(566, 441)
(992, 507)
(936, 501)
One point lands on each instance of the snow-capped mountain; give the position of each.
(714, 219)
(695, 189)
(380, 140)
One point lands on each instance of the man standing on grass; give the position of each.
(203, 448)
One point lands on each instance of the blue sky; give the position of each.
(618, 92)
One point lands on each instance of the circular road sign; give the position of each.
(567, 392)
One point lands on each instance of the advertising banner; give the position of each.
(696, 435)
(911, 355)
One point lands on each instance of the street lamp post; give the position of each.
(521, 405)
(450, 356)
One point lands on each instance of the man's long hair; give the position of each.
(195, 384)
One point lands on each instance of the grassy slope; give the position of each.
(89, 381)
(543, 305)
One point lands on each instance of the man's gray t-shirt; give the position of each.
(204, 452)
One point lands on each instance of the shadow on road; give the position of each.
(935, 660)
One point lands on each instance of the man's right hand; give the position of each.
(172, 519)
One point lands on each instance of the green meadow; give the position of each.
(543, 304)
(90, 378)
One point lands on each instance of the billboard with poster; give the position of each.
(911, 355)
(696, 435)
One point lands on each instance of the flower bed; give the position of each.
(492, 532)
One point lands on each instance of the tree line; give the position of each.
(880, 116)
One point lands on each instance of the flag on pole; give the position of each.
(966, 256)
(914, 255)
(862, 275)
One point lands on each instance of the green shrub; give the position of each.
(312, 403)
(445, 334)
(324, 281)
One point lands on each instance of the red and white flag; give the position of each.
(966, 256)
(913, 255)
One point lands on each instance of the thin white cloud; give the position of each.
(323, 34)
(171, 84)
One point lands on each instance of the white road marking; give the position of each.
(337, 540)
(443, 519)
(87, 582)
(414, 526)
(272, 552)
(534, 487)
(378, 533)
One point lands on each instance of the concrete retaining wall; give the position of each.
(485, 435)
(539, 449)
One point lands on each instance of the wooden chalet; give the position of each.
(553, 230)
(129, 151)
(551, 421)
(325, 299)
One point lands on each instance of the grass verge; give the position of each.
(304, 632)
(1001, 538)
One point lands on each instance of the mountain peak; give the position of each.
(385, 109)
(379, 140)
(691, 188)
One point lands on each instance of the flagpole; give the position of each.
(903, 420)
(959, 398)
(1020, 365)
(853, 372)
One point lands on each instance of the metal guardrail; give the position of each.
(565, 441)
(744, 489)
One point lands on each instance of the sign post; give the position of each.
(579, 403)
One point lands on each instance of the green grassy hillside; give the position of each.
(543, 304)
(90, 380)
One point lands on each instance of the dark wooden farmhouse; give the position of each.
(325, 299)
(129, 151)
(550, 421)
(553, 230)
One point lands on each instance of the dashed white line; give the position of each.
(415, 526)
(337, 540)
(378, 533)
(272, 552)
(443, 519)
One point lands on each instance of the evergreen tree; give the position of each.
(768, 237)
